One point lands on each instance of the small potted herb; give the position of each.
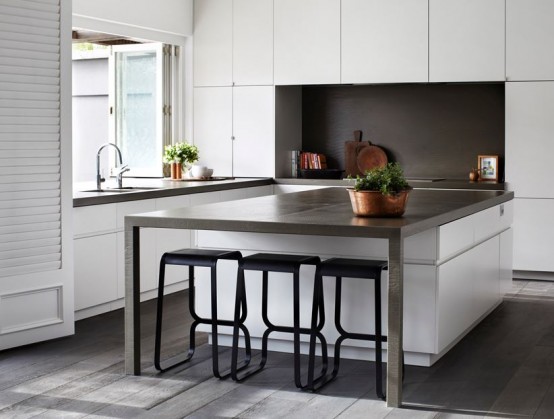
(381, 192)
(178, 154)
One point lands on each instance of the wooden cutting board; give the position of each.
(360, 156)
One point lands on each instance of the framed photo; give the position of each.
(488, 167)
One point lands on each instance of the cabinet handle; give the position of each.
(501, 210)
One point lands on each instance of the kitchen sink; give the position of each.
(121, 190)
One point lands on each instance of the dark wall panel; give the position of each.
(433, 130)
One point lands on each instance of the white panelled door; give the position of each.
(36, 268)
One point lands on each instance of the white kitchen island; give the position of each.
(449, 261)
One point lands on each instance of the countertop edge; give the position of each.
(83, 199)
(192, 221)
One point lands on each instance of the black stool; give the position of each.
(202, 258)
(351, 268)
(266, 263)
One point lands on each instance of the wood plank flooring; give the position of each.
(503, 369)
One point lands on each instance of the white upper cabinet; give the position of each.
(252, 42)
(234, 129)
(384, 41)
(254, 131)
(529, 40)
(213, 124)
(233, 42)
(213, 42)
(307, 42)
(530, 139)
(466, 40)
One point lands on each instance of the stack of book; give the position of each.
(303, 160)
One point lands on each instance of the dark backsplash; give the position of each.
(433, 130)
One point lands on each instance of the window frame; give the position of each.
(165, 69)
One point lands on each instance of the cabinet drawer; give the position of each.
(455, 236)
(492, 221)
(468, 231)
(94, 219)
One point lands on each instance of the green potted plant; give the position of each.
(381, 192)
(178, 154)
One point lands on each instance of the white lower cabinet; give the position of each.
(95, 270)
(533, 235)
(468, 287)
(99, 243)
(506, 261)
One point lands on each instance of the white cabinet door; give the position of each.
(254, 131)
(384, 41)
(529, 40)
(466, 40)
(213, 119)
(486, 281)
(530, 139)
(307, 41)
(95, 270)
(252, 42)
(213, 42)
(506, 261)
(534, 235)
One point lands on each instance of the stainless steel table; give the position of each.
(325, 212)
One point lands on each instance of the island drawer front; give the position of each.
(462, 234)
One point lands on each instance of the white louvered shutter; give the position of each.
(30, 191)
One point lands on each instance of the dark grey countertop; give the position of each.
(158, 188)
(326, 212)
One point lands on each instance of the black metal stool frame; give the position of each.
(296, 330)
(374, 273)
(212, 264)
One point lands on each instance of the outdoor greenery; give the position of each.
(388, 179)
(180, 153)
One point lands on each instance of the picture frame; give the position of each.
(488, 167)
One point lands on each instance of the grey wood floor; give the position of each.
(503, 369)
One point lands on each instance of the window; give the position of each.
(140, 105)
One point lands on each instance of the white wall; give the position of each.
(168, 21)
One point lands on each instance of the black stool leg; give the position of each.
(159, 317)
(338, 326)
(318, 309)
(238, 320)
(297, 330)
(214, 322)
(240, 302)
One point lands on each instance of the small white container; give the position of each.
(199, 170)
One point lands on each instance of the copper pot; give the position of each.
(375, 204)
